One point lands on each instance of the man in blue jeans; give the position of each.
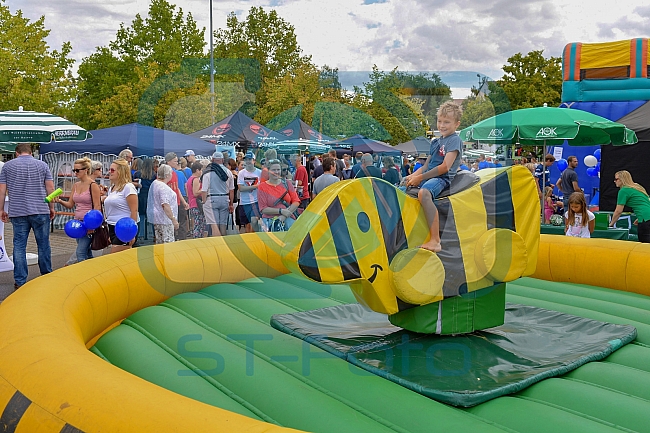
(28, 181)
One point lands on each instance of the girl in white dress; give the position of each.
(579, 222)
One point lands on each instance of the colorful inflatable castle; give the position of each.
(611, 79)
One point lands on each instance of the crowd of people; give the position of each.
(176, 198)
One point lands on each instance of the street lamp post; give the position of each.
(211, 65)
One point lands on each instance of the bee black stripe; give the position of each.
(390, 217)
(342, 241)
(497, 198)
(70, 429)
(307, 259)
(13, 412)
(454, 268)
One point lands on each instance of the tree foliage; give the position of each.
(532, 80)
(477, 107)
(265, 37)
(149, 48)
(32, 75)
(340, 120)
(398, 100)
(305, 86)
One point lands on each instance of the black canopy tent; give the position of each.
(238, 130)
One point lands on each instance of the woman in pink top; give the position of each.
(85, 196)
(193, 188)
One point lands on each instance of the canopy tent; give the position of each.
(297, 129)
(363, 144)
(416, 146)
(140, 139)
(238, 130)
(297, 146)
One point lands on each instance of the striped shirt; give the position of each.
(25, 178)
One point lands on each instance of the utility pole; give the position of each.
(211, 65)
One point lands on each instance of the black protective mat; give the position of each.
(464, 370)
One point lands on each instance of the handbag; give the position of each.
(277, 225)
(100, 238)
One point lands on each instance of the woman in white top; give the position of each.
(121, 202)
(162, 208)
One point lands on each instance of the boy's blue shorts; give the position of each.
(435, 185)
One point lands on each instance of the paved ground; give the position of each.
(62, 248)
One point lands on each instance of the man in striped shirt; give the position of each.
(28, 181)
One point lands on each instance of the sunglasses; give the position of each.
(112, 170)
(77, 170)
(616, 178)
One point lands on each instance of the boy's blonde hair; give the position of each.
(449, 109)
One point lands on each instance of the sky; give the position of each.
(458, 38)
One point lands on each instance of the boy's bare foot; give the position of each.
(432, 246)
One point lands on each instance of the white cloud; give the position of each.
(417, 35)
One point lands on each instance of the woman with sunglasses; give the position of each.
(635, 196)
(121, 202)
(277, 198)
(85, 196)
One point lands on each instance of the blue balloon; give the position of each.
(597, 154)
(592, 171)
(562, 164)
(598, 166)
(126, 229)
(75, 229)
(93, 219)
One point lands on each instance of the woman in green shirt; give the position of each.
(635, 196)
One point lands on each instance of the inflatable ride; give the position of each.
(228, 334)
(610, 79)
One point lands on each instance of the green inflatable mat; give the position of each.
(217, 346)
(463, 370)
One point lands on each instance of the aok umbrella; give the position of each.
(32, 127)
(549, 126)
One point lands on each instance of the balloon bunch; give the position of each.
(78, 229)
(593, 162)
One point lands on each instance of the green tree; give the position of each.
(340, 120)
(532, 80)
(398, 99)
(305, 86)
(475, 110)
(164, 37)
(426, 90)
(32, 75)
(479, 107)
(265, 37)
(159, 42)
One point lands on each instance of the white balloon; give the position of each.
(590, 161)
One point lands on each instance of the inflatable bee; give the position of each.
(366, 233)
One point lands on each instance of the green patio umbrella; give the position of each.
(32, 127)
(549, 126)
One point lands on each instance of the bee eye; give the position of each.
(363, 222)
